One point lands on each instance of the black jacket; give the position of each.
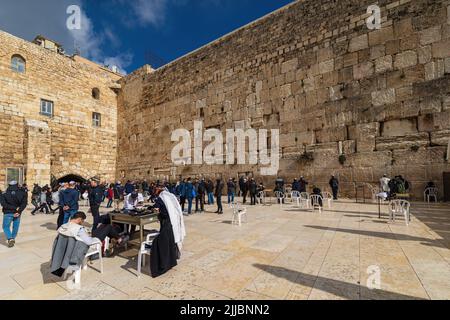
(96, 197)
(219, 189)
(13, 200)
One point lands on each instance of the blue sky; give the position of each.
(134, 32)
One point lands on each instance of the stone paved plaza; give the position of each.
(281, 253)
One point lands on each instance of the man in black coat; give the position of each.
(95, 201)
(334, 184)
(253, 188)
(218, 193)
(13, 201)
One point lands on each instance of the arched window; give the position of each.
(96, 94)
(18, 63)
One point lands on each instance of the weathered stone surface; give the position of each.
(365, 135)
(405, 59)
(358, 43)
(441, 49)
(383, 64)
(430, 35)
(440, 138)
(403, 142)
(398, 128)
(383, 97)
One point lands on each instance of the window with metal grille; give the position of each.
(96, 119)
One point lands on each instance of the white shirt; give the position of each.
(130, 204)
(384, 184)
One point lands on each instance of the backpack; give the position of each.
(401, 187)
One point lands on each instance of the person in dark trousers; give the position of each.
(189, 194)
(218, 194)
(244, 190)
(182, 188)
(13, 201)
(253, 189)
(68, 200)
(43, 203)
(241, 185)
(118, 194)
(95, 201)
(231, 190)
(210, 191)
(36, 195)
(302, 184)
(334, 184)
(201, 189)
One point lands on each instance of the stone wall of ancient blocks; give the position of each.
(72, 145)
(315, 71)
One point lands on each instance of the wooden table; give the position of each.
(139, 221)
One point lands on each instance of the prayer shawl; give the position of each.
(176, 217)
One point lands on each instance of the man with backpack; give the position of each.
(13, 201)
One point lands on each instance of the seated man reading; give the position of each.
(74, 228)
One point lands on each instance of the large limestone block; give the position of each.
(383, 64)
(428, 156)
(381, 36)
(403, 142)
(383, 97)
(398, 128)
(440, 138)
(358, 43)
(365, 135)
(430, 35)
(363, 70)
(405, 59)
(441, 49)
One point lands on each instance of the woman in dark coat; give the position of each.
(164, 252)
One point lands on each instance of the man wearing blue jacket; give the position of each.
(189, 194)
(68, 200)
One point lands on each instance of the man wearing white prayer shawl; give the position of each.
(166, 247)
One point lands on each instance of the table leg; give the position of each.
(141, 232)
(379, 208)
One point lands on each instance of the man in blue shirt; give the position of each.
(68, 200)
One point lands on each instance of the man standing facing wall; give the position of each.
(68, 200)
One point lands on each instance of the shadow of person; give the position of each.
(47, 276)
(50, 226)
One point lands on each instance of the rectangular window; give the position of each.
(14, 174)
(47, 108)
(96, 119)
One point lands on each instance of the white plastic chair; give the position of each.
(328, 197)
(143, 251)
(280, 197)
(238, 213)
(315, 202)
(295, 196)
(430, 193)
(401, 207)
(261, 197)
(304, 200)
(93, 250)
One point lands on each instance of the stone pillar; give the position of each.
(37, 152)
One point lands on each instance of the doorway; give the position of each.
(446, 186)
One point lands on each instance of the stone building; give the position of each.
(349, 101)
(58, 114)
